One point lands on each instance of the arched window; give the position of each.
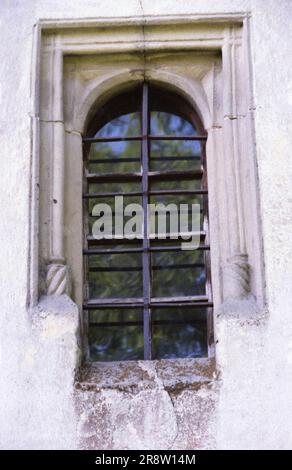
(145, 296)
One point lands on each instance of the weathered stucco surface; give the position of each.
(147, 405)
(248, 404)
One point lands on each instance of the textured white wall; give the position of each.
(255, 402)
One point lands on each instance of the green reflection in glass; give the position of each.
(122, 157)
(127, 125)
(185, 336)
(115, 157)
(170, 124)
(115, 275)
(174, 201)
(178, 184)
(178, 273)
(117, 342)
(114, 187)
(170, 155)
(118, 212)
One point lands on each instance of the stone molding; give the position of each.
(58, 279)
(221, 93)
(236, 277)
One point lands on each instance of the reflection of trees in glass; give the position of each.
(185, 336)
(170, 124)
(116, 343)
(179, 273)
(124, 126)
(173, 273)
(115, 275)
(127, 125)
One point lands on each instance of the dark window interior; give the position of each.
(146, 298)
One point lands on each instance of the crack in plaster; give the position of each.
(52, 120)
(144, 22)
(233, 117)
(73, 132)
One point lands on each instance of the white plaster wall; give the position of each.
(255, 402)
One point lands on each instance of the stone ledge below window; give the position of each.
(173, 375)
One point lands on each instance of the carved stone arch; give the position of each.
(100, 90)
(189, 88)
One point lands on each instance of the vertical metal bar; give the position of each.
(146, 252)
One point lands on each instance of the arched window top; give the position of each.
(170, 114)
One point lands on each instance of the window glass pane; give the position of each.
(115, 275)
(172, 163)
(184, 336)
(119, 208)
(114, 203)
(178, 273)
(114, 187)
(173, 205)
(115, 157)
(178, 184)
(103, 245)
(170, 124)
(170, 155)
(127, 125)
(116, 334)
(177, 199)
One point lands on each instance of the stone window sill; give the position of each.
(133, 376)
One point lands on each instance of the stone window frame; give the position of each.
(225, 105)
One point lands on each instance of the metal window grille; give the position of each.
(145, 179)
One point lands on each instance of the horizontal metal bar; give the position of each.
(102, 251)
(153, 175)
(114, 160)
(169, 238)
(151, 193)
(169, 159)
(140, 323)
(116, 301)
(114, 269)
(175, 175)
(112, 251)
(189, 212)
(139, 137)
(177, 137)
(154, 301)
(111, 194)
(130, 300)
(97, 269)
(177, 248)
(98, 306)
(113, 177)
(178, 192)
(183, 304)
(137, 159)
(112, 241)
(111, 139)
(186, 298)
(115, 323)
